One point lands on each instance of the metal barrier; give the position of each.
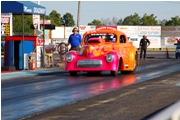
(170, 113)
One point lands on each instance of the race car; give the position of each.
(177, 50)
(103, 50)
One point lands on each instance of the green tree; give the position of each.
(96, 23)
(175, 21)
(68, 20)
(46, 17)
(120, 22)
(149, 20)
(55, 18)
(132, 20)
(17, 24)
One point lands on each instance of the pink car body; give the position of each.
(100, 54)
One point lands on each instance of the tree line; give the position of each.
(68, 20)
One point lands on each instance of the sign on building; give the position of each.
(106, 27)
(169, 35)
(6, 24)
(58, 33)
(131, 32)
(68, 31)
(39, 51)
(153, 33)
(85, 28)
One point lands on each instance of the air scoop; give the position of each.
(94, 47)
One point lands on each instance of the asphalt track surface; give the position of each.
(103, 97)
(135, 102)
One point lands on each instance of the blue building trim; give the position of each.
(22, 7)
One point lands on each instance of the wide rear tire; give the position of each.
(114, 73)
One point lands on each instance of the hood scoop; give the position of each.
(95, 40)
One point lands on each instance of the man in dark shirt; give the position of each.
(144, 43)
(75, 40)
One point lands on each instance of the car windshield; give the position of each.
(107, 36)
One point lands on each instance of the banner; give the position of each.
(169, 41)
(169, 34)
(168, 31)
(68, 31)
(39, 51)
(131, 32)
(106, 27)
(6, 24)
(36, 19)
(45, 21)
(153, 33)
(58, 33)
(84, 28)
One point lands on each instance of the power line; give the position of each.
(115, 11)
(171, 2)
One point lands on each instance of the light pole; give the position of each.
(38, 2)
(64, 24)
(78, 14)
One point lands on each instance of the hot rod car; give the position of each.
(103, 50)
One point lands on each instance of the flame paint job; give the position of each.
(98, 48)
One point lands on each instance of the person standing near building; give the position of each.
(75, 40)
(144, 43)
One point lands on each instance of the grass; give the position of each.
(161, 49)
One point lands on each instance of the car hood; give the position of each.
(97, 49)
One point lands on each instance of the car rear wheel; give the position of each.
(114, 73)
(73, 73)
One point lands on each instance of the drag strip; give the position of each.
(134, 102)
(29, 96)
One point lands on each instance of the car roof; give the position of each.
(117, 32)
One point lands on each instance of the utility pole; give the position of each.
(38, 2)
(78, 14)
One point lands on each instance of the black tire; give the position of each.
(73, 73)
(126, 72)
(114, 73)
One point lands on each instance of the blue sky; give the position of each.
(91, 10)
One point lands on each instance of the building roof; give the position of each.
(19, 7)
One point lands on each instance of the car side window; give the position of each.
(111, 38)
(122, 39)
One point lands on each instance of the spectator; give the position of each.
(144, 43)
(75, 40)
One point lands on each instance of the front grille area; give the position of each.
(89, 63)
